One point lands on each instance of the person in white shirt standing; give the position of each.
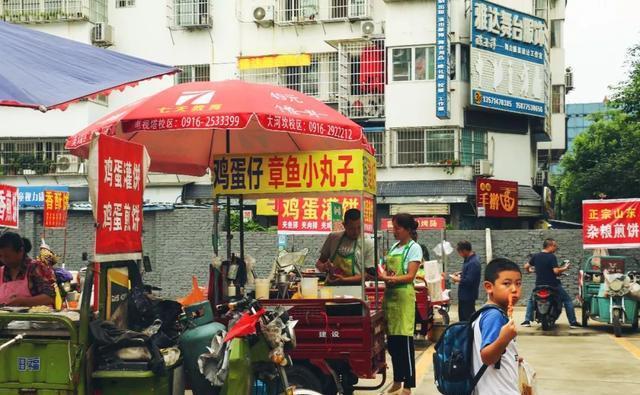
(494, 338)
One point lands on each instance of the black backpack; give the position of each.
(453, 357)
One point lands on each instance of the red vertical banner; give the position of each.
(118, 171)
(496, 198)
(56, 207)
(8, 206)
(613, 223)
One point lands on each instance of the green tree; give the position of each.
(626, 96)
(605, 162)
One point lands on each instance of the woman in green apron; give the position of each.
(401, 264)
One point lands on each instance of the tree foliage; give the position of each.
(605, 161)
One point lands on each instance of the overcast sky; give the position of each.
(597, 36)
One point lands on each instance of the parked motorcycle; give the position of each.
(251, 357)
(548, 306)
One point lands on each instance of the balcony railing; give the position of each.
(312, 11)
(37, 157)
(49, 11)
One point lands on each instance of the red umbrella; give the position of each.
(184, 126)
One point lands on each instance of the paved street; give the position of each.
(583, 361)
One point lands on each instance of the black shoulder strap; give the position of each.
(483, 368)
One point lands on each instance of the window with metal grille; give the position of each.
(557, 99)
(319, 79)
(297, 11)
(43, 11)
(37, 155)
(192, 13)
(473, 146)
(417, 146)
(361, 79)
(349, 9)
(413, 63)
(556, 33)
(125, 3)
(541, 8)
(193, 73)
(376, 138)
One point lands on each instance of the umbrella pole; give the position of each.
(241, 227)
(228, 219)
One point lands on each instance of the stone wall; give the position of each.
(179, 245)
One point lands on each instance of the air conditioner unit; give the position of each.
(263, 15)
(102, 34)
(67, 164)
(367, 29)
(568, 79)
(540, 179)
(482, 167)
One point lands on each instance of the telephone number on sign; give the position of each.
(330, 130)
(210, 121)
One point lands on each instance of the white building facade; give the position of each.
(378, 62)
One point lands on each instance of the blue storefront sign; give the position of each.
(33, 196)
(509, 68)
(442, 59)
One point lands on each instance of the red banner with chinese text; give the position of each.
(496, 198)
(8, 206)
(424, 223)
(56, 207)
(313, 215)
(117, 178)
(611, 223)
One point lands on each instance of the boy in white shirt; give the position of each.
(494, 333)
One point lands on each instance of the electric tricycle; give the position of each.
(608, 291)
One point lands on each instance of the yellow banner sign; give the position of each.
(266, 207)
(327, 171)
(266, 62)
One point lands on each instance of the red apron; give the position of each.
(13, 289)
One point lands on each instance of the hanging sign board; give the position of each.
(325, 171)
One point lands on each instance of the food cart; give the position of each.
(340, 339)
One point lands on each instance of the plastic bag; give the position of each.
(196, 295)
(433, 278)
(527, 379)
(448, 249)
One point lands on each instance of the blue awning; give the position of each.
(43, 71)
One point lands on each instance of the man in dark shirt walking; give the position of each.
(468, 281)
(547, 271)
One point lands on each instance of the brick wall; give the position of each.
(179, 245)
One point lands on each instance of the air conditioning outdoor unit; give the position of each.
(482, 167)
(263, 15)
(67, 164)
(102, 34)
(568, 79)
(541, 176)
(367, 28)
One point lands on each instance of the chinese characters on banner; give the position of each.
(611, 223)
(508, 59)
(56, 206)
(442, 59)
(314, 215)
(117, 178)
(496, 198)
(329, 171)
(8, 206)
(424, 223)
